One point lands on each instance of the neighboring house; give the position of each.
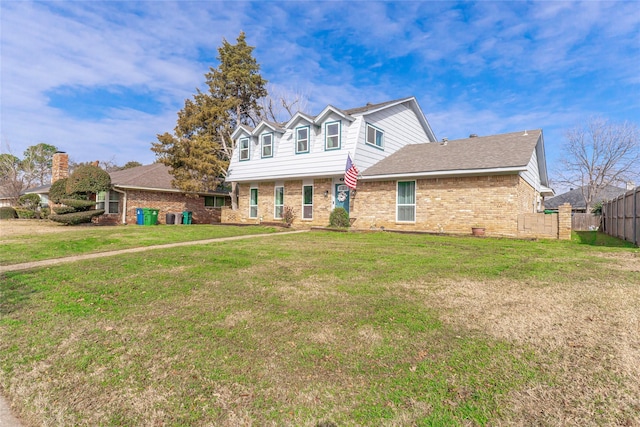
(146, 186)
(575, 198)
(407, 180)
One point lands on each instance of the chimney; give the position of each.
(59, 166)
(96, 163)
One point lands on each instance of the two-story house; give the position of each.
(408, 180)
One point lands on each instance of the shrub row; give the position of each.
(7, 212)
(76, 217)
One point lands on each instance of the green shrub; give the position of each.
(44, 213)
(80, 205)
(63, 210)
(88, 179)
(339, 218)
(29, 201)
(58, 191)
(27, 214)
(7, 212)
(76, 217)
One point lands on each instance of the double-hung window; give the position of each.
(406, 204)
(278, 202)
(244, 148)
(267, 145)
(302, 139)
(332, 136)
(375, 136)
(307, 202)
(253, 203)
(109, 201)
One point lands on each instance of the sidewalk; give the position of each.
(7, 419)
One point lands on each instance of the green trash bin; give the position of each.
(187, 217)
(150, 216)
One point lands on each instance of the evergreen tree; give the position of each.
(199, 150)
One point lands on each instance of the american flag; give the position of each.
(351, 174)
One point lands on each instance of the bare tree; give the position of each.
(281, 104)
(599, 153)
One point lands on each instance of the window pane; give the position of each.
(278, 212)
(101, 196)
(218, 202)
(371, 135)
(307, 212)
(406, 213)
(406, 193)
(113, 207)
(254, 196)
(253, 212)
(379, 138)
(279, 195)
(308, 195)
(100, 205)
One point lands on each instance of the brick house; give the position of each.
(408, 180)
(147, 186)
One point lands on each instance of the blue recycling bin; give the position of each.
(139, 216)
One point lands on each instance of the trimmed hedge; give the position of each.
(78, 204)
(27, 214)
(7, 212)
(88, 179)
(63, 210)
(339, 218)
(58, 191)
(76, 217)
(29, 201)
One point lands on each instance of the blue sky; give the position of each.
(99, 80)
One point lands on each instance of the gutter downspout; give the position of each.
(124, 204)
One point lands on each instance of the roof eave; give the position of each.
(447, 173)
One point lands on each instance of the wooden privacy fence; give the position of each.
(621, 216)
(585, 221)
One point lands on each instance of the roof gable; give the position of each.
(298, 117)
(273, 127)
(241, 129)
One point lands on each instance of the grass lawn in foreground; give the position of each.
(87, 239)
(357, 329)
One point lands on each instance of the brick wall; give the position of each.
(444, 205)
(166, 203)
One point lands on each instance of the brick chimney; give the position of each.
(59, 166)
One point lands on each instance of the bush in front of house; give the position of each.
(339, 218)
(88, 179)
(29, 201)
(27, 214)
(7, 212)
(78, 204)
(62, 210)
(76, 217)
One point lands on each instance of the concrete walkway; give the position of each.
(7, 419)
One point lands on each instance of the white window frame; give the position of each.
(263, 144)
(337, 135)
(106, 200)
(278, 208)
(298, 129)
(307, 205)
(399, 205)
(376, 131)
(244, 153)
(253, 208)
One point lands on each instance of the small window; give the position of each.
(375, 136)
(406, 205)
(214, 201)
(253, 203)
(244, 148)
(332, 135)
(302, 140)
(307, 202)
(267, 145)
(109, 201)
(278, 203)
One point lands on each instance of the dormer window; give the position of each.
(267, 145)
(375, 136)
(302, 139)
(332, 136)
(244, 148)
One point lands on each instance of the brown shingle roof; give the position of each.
(155, 176)
(365, 108)
(509, 150)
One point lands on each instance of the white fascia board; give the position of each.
(331, 109)
(297, 117)
(164, 190)
(288, 177)
(447, 174)
(423, 121)
(263, 124)
(239, 130)
(547, 192)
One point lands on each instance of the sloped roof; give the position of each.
(154, 176)
(575, 198)
(509, 151)
(370, 107)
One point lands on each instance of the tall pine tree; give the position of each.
(199, 150)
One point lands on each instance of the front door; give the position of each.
(342, 197)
